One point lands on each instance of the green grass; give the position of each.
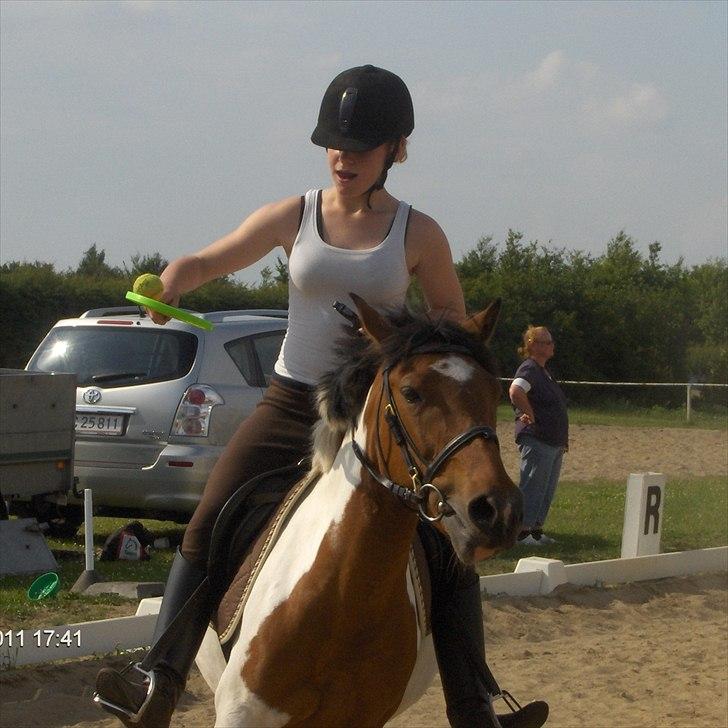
(17, 611)
(587, 519)
(624, 416)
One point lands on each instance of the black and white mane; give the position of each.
(342, 392)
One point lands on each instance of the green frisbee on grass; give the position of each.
(171, 311)
(46, 585)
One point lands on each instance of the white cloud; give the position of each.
(561, 87)
(641, 102)
(548, 73)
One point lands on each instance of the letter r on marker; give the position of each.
(652, 509)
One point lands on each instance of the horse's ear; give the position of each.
(483, 324)
(374, 325)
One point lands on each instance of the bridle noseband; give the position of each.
(416, 497)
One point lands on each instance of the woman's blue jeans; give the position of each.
(540, 469)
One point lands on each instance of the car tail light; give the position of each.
(192, 418)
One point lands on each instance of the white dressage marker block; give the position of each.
(643, 514)
(552, 570)
(150, 605)
(516, 585)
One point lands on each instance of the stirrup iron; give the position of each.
(148, 674)
(508, 699)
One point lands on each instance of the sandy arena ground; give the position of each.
(645, 655)
(615, 452)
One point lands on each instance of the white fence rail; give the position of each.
(691, 388)
(533, 576)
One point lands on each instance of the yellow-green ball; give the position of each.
(148, 285)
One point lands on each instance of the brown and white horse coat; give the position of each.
(329, 635)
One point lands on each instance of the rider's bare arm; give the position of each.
(270, 226)
(430, 260)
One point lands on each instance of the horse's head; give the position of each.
(430, 420)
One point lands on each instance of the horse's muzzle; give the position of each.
(499, 515)
(488, 524)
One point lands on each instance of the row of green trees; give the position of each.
(618, 316)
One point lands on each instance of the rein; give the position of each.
(416, 496)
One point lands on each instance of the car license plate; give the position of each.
(90, 424)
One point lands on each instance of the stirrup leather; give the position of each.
(508, 699)
(149, 674)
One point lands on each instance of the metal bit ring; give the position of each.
(443, 509)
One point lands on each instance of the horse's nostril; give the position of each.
(483, 511)
(497, 511)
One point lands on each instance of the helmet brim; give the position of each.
(325, 138)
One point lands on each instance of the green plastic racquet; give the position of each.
(171, 311)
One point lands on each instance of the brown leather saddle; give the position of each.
(247, 530)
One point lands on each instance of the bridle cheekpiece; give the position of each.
(416, 497)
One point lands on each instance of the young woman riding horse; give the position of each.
(352, 236)
(333, 629)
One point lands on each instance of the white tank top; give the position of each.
(319, 274)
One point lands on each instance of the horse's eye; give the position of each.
(410, 395)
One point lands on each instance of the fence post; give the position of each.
(89, 575)
(688, 400)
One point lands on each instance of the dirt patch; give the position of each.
(651, 654)
(598, 451)
(616, 657)
(610, 657)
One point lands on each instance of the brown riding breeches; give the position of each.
(276, 434)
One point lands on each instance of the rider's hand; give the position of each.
(170, 296)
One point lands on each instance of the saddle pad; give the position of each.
(227, 617)
(229, 612)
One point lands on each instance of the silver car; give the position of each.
(155, 405)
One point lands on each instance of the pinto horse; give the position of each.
(329, 635)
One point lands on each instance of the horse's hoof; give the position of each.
(532, 715)
(135, 704)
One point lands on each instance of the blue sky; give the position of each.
(148, 126)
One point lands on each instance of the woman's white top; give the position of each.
(319, 274)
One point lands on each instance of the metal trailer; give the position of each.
(37, 421)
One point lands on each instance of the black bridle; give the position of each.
(416, 496)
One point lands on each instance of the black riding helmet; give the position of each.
(362, 108)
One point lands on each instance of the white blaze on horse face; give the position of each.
(455, 367)
(293, 556)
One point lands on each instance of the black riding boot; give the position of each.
(144, 695)
(457, 632)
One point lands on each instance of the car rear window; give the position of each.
(255, 356)
(116, 357)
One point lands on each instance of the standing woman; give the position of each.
(352, 236)
(542, 431)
